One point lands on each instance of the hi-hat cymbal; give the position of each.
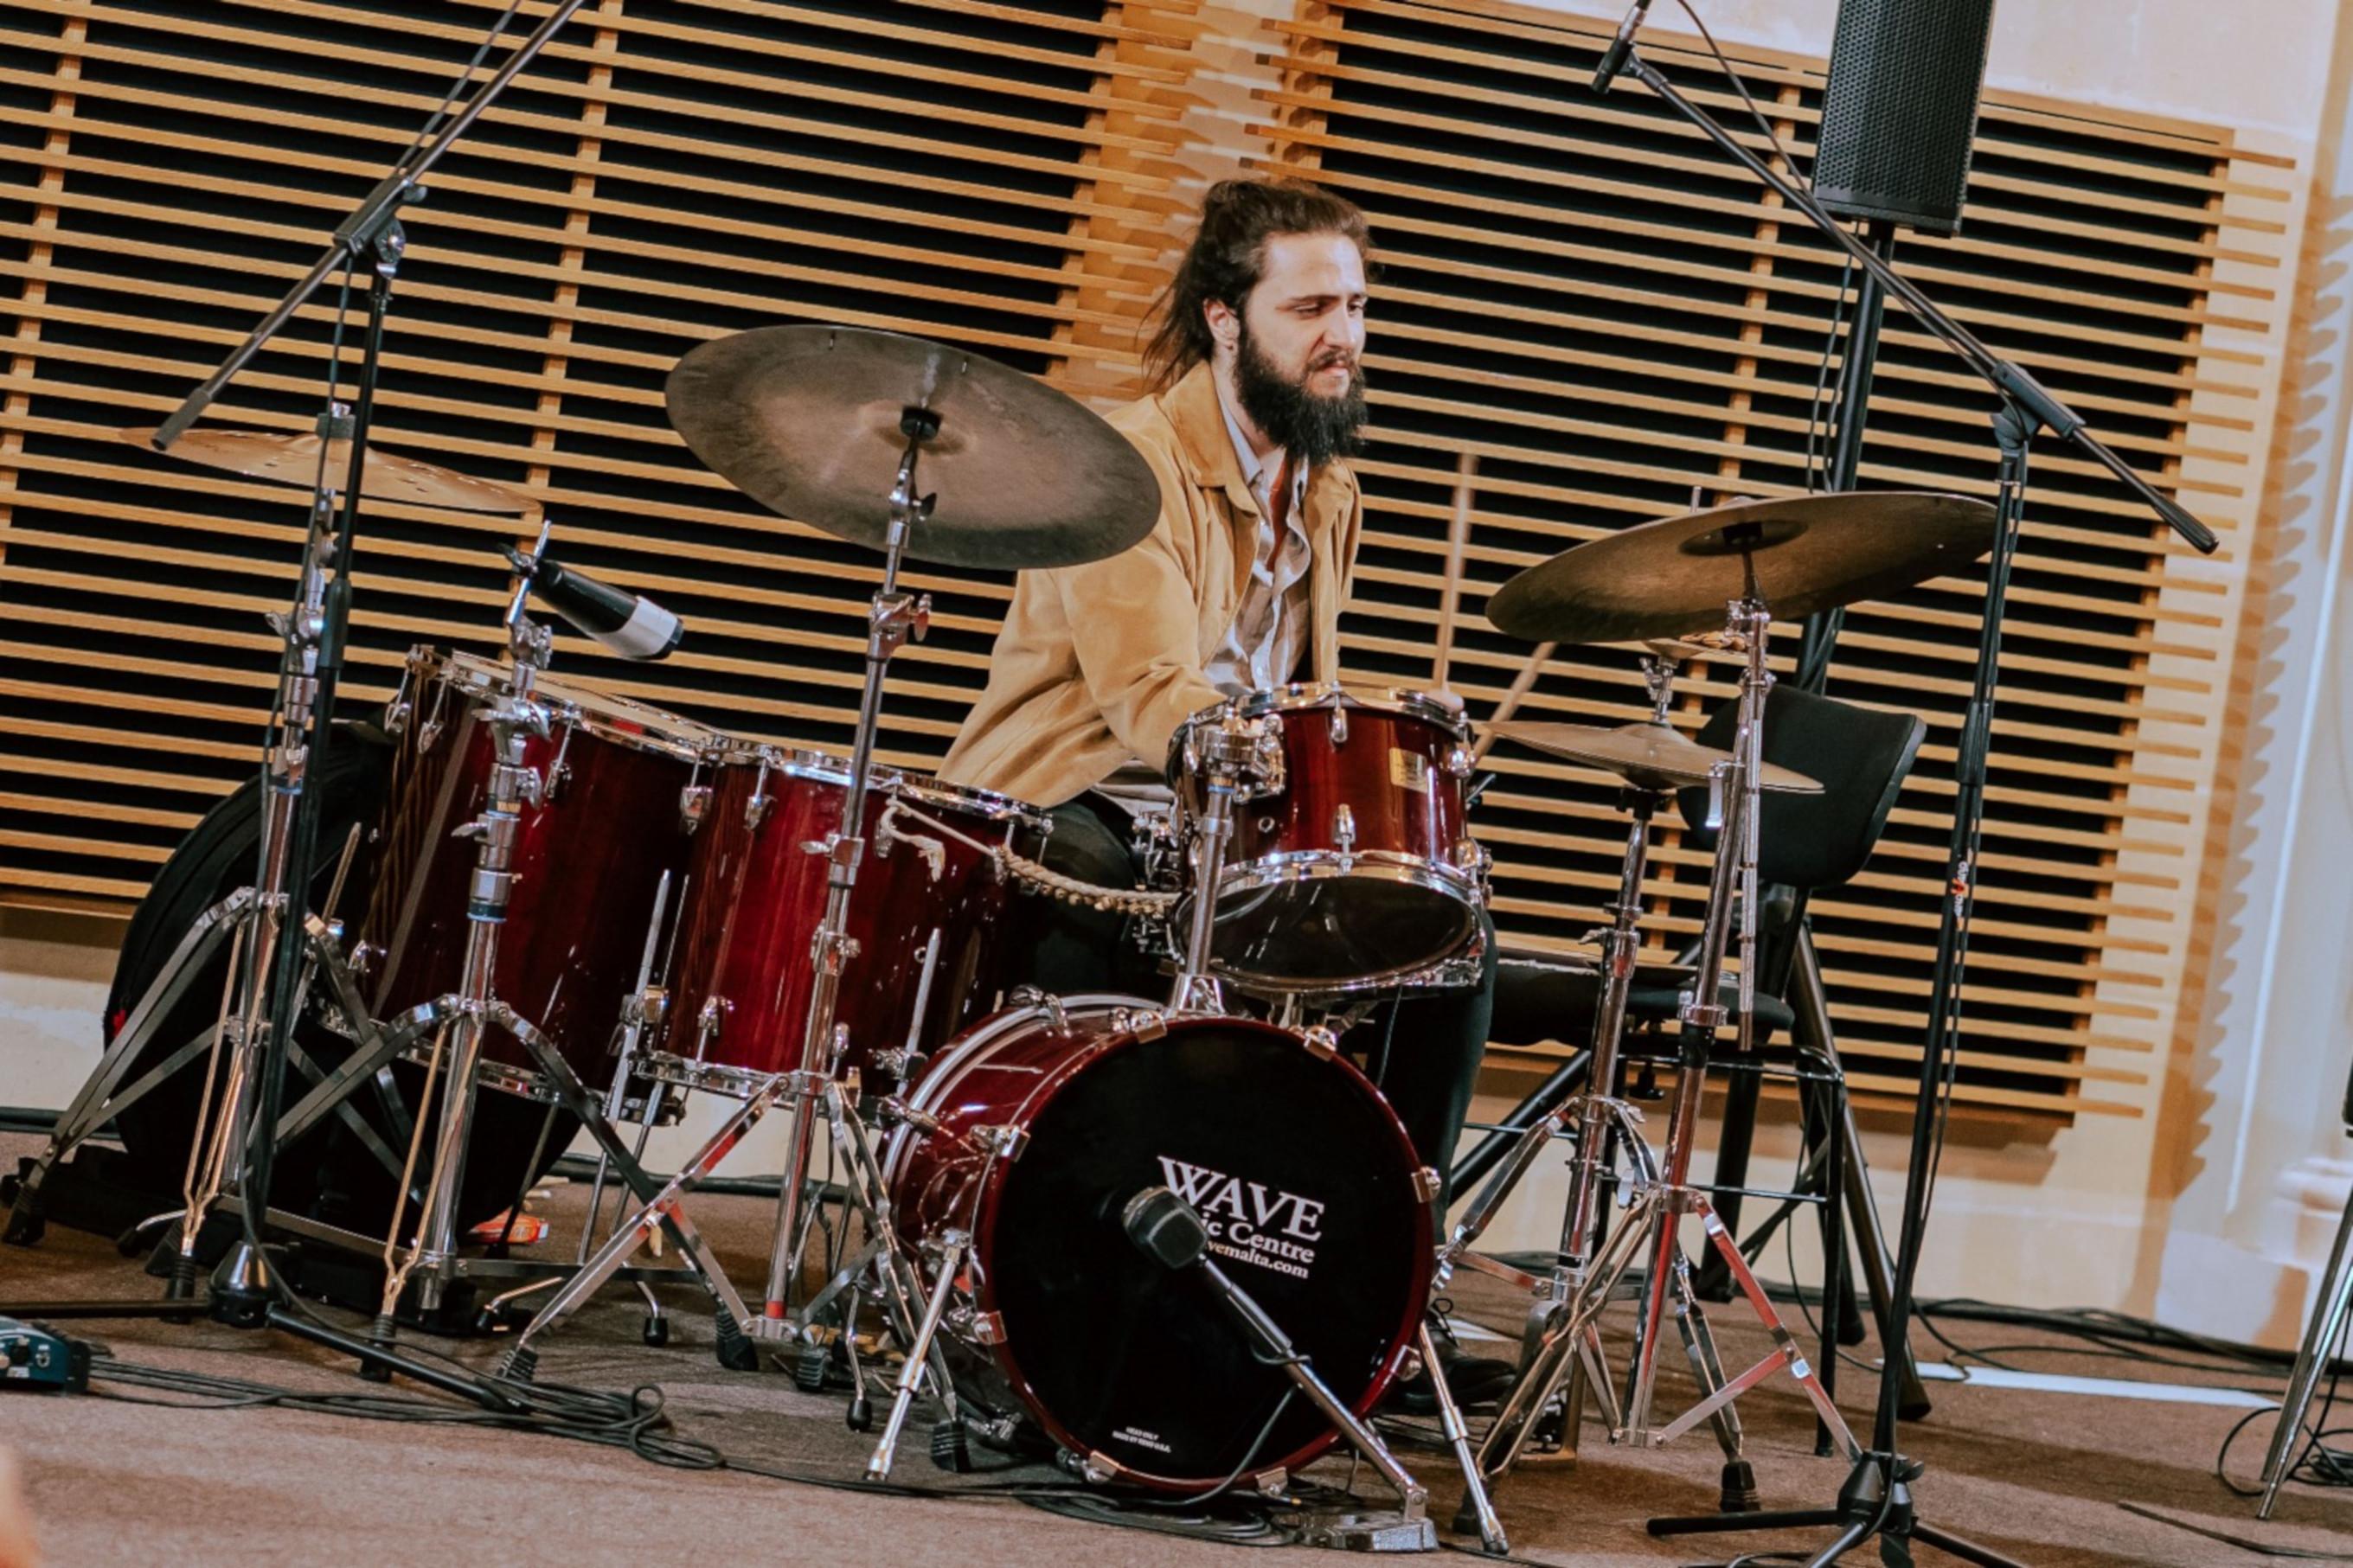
(284, 458)
(1648, 756)
(805, 421)
(1810, 553)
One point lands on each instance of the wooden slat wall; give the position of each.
(670, 171)
(1576, 293)
(1584, 299)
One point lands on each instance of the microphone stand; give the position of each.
(1876, 1497)
(245, 1139)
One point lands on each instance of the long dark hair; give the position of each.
(1227, 256)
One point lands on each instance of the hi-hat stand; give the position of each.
(1562, 1357)
(1876, 1500)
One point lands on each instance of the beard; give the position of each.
(1316, 429)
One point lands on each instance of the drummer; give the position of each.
(1257, 400)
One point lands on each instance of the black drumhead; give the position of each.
(1336, 930)
(1308, 1188)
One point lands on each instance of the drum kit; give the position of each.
(585, 904)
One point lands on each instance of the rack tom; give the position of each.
(1352, 868)
(928, 917)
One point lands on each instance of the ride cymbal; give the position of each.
(283, 458)
(1648, 756)
(1808, 554)
(806, 421)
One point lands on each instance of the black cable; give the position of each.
(1821, 415)
(1741, 88)
(481, 52)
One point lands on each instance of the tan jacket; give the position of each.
(1099, 663)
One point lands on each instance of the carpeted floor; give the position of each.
(2037, 1476)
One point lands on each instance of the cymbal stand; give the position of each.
(893, 619)
(1568, 1345)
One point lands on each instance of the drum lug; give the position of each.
(1271, 1483)
(1002, 1139)
(648, 1008)
(987, 1328)
(1095, 1469)
(693, 805)
(1425, 1183)
(1320, 1041)
(1144, 1023)
(1340, 725)
(1344, 834)
(756, 810)
(706, 1023)
(1460, 762)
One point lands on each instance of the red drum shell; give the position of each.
(587, 861)
(1318, 1204)
(745, 970)
(1302, 908)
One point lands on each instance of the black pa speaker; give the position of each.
(1901, 111)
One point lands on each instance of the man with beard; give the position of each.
(1258, 398)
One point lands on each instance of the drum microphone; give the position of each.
(1613, 58)
(627, 624)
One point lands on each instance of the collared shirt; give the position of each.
(1269, 631)
(1270, 628)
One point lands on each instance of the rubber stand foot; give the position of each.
(381, 1334)
(655, 1331)
(810, 1362)
(520, 1364)
(1466, 1519)
(737, 1353)
(859, 1417)
(1739, 1492)
(181, 1285)
(951, 1448)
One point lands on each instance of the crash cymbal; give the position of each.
(805, 421)
(282, 458)
(1810, 553)
(1648, 756)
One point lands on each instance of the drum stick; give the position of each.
(1458, 537)
(1521, 685)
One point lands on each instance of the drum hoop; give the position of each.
(829, 768)
(1301, 695)
(609, 716)
(988, 1190)
(1293, 866)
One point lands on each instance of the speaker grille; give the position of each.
(1900, 114)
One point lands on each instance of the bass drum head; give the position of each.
(1309, 1189)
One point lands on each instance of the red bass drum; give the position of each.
(1046, 1120)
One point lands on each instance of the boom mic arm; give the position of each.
(627, 624)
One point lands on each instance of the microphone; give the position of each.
(1164, 1228)
(627, 624)
(1613, 59)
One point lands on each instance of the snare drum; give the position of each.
(1352, 870)
(588, 858)
(927, 917)
(1047, 1119)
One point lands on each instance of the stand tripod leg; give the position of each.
(2320, 1335)
(575, 1096)
(919, 1354)
(630, 1234)
(1476, 1503)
